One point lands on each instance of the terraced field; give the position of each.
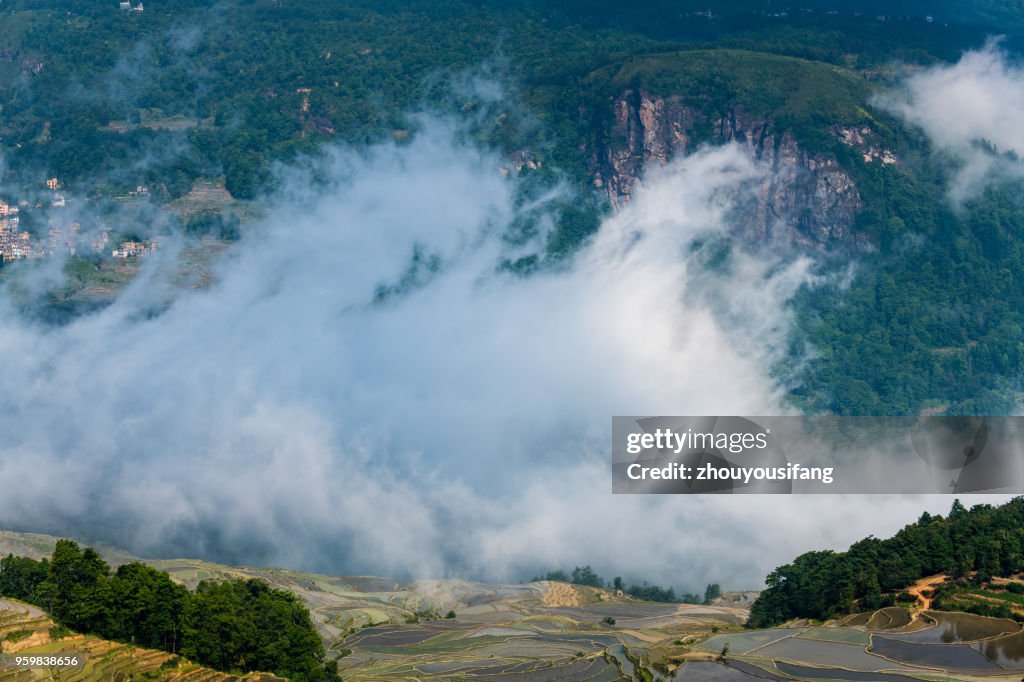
(383, 629)
(882, 646)
(26, 631)
(498, 633)
(511, 634)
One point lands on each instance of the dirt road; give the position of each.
(923, 603)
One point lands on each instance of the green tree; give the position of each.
(245, 626)
(74, 580)
(584, 575)
(20, 577)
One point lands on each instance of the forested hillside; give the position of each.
(87, 88)
(972, 545)
(108, 101)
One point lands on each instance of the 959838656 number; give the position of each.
(51, 660)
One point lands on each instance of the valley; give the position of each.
(356, 286)
(381, 629)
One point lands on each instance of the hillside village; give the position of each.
(64, 236)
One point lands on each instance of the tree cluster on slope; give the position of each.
(975, 544)
(585, 575)
(234, 625)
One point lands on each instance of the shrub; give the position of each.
(59, 632)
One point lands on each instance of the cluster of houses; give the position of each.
(135, 249)
(62, 237)
(13, 242)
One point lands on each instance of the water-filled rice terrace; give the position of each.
(383, 630)
(889, 645)
(520, 638)
(524, 633)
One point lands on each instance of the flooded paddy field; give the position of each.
(1006, 651)
(951, 656)
(833, 654)
(714, 672)
(951, 628)
(745, 642)
(834, 634)
(444, 630)
(889, 618)
(803, 671)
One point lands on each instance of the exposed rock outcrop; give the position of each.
(807, 198)
(862, 138)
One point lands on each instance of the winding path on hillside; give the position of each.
(923, 602)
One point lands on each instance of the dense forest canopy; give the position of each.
(75, 68)
(107, 100)
(976, 544)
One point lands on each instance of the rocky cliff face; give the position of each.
(806, 198)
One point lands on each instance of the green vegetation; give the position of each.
(102, 659)
(938, 318)
(219, 225)
(969, 546)
(247, 625)
(585, 575)
(660, 594)
(801, 96)
(59, 632)
(980, 598)
(190, 88)
(233, 625)
(20, 576)
(823, 29)
(189, 92)
(17, 635)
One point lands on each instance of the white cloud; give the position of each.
(971, 111)
(462, 428)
